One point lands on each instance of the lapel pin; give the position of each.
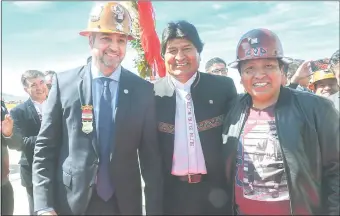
(126, 91)
(211, 101)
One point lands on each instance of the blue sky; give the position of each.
(44, 35)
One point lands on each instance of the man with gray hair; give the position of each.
(216, 66)
(27, 116)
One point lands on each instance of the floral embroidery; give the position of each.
(210, 123)
(166, 128)
(201, 126)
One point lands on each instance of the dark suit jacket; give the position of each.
(26, 118)
(66, 159)
(211, 96)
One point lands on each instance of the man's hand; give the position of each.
(302, 72)
(7, 126)
(49, 213)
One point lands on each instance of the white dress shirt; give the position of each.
(188, 156)
(38, 107)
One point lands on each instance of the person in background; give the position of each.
(99, 131)
(334, 66)
(27, 117)
(48, 78)
(323, 82)
(10, 138)
(298, 74)
(281, 145)
(190, 108)
(216, 66)
(295, 74)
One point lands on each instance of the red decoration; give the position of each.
(149, 39)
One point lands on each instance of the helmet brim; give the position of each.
(86, 33)
(285, 60)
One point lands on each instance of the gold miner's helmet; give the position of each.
(109, 17)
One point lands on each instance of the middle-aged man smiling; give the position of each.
(98, 124)
(281, 145)
(190, 109)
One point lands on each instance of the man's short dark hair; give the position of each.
(213, 61)
(49, 72)
(181, 29)
(334, 59)
(30, 74)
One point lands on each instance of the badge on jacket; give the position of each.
(87, 118)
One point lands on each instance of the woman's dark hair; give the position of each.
(181, 29)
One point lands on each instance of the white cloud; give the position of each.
(58, 35)
(29, 6)
(223, 16)
(216, 6)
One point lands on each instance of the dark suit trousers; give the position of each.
(7, 199)
(97, 206)
(183, 198)
(30, 199)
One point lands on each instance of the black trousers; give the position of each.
(97, 206)
(203, 198)
(7, 199)
(29, 191)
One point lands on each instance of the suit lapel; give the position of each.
(85, 95)
(34, 112)
(125, 91)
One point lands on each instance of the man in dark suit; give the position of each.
(27, 116)
(190, 109)
(99, 123)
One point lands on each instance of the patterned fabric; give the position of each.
(202, 126)
(320, 64)
(166, 128)
(210, 123)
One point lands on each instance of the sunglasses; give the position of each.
(219, 71)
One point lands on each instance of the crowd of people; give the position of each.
(88, 134)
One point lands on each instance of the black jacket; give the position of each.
(211, 96)
(308, 131)
(27, 119)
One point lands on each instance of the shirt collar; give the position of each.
(183, 86)
(36, 102)
(97, 74)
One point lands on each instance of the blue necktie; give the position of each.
(105, 131)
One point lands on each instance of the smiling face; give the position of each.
(261, 78)
(181, 59)
(326, 87)
(108, 51)
(36, 88)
